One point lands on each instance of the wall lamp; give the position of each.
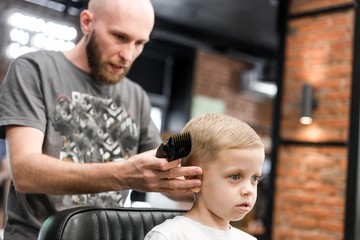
(308, 104)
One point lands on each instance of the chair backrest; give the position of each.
(94, 223)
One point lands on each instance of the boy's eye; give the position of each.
(235, 177)
(256, 179)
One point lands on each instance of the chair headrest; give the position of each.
(95, 223)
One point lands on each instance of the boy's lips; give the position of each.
(244, 206)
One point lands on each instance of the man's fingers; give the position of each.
(183, 172)
(159, 175)
(185, 185)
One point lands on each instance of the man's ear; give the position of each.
(86, 22)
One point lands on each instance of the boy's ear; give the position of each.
(197, 189)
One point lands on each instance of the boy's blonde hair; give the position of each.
(211, 133)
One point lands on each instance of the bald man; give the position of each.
(80, 132)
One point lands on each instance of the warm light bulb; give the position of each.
(306, 120)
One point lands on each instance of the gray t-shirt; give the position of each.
(83, 121)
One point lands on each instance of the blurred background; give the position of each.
(249, 59)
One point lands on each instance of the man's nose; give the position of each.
(127, 52)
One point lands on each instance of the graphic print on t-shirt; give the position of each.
(95, 130)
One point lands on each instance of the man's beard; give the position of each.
(97, 67)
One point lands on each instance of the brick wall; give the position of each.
(309, 202)
(218, 76)
(311, 177)
(316, 54)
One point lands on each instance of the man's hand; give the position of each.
(142, 172)
(151, 174)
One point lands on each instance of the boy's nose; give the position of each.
(247, 189)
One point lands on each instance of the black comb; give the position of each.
(177, 146)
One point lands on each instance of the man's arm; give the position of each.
(35, 172)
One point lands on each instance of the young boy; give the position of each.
(231, 155)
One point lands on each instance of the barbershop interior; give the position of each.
(290, 69)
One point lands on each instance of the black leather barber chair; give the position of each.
(94, 223)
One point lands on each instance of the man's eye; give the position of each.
(256, 179)
(140, 43)
(120, 37)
